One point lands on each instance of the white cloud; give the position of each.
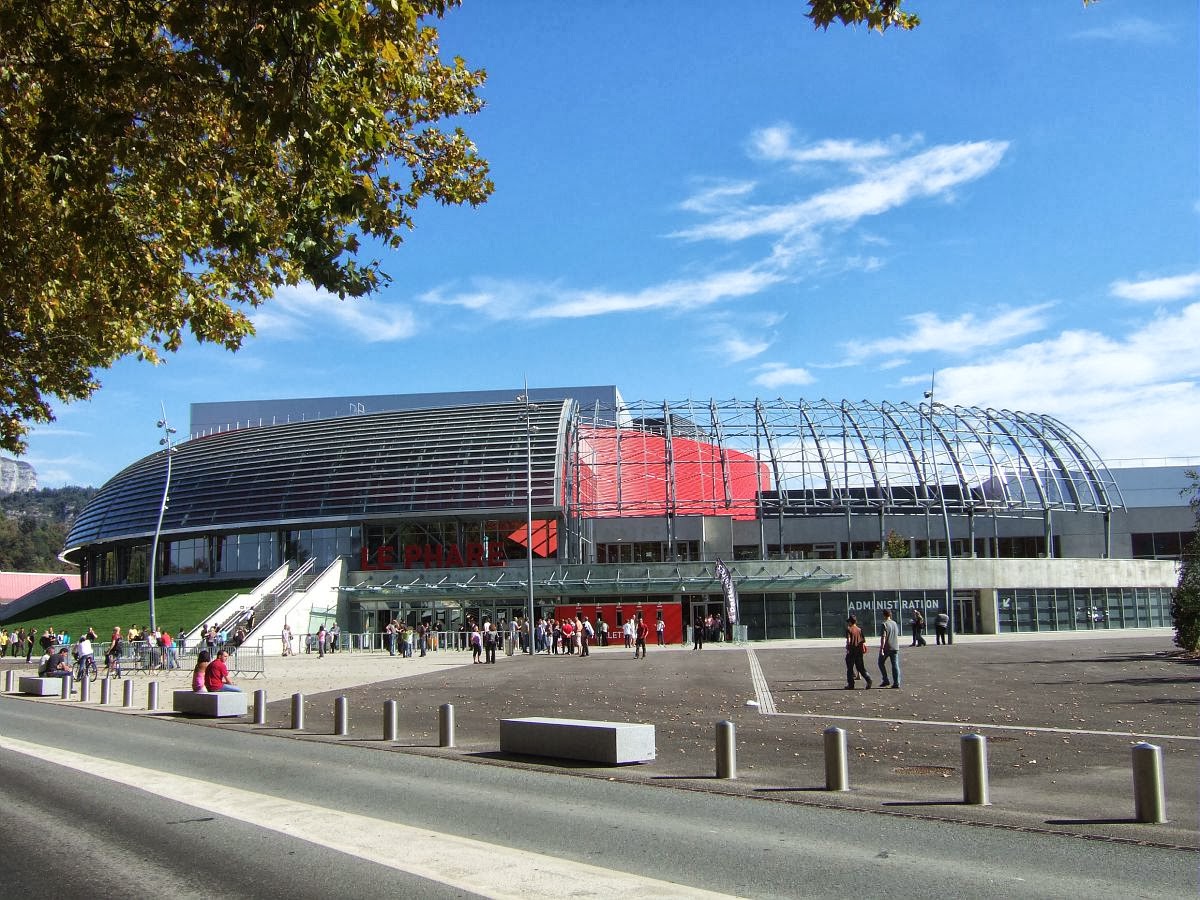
(1178, 287)
(517, 300)
(778, 375)
(303, 311)
(935, 172)
(777, 144)
(1122, 394)
(928, 332)
(1132, 30)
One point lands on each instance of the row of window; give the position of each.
(1161, 544)
(1076, 609)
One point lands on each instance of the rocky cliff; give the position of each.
(16, 476)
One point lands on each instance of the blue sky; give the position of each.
(700, 200)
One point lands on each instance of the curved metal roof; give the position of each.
(467, 460)
(738, 458)
(816, 457)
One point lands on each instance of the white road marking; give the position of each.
(489, 870)
(988, 725)
(762, 692)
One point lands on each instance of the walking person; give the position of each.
(321, 641)
(917, 623)
(856, 648)
(489, 644)
(889, 650)
(660, 629)
(698, 633)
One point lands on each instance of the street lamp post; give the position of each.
(530, 428)
(945, 524)
(164, 441)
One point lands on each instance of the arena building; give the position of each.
(436, 507)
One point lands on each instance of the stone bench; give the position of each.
(216, 705)
(613, 743)
(37, 686)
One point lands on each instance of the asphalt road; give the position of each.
(157, 806)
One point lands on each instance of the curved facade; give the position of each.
(613, 484)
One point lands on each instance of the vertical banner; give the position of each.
(731, 595)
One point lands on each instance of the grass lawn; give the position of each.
(175, 607)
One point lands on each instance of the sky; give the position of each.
(703, 200)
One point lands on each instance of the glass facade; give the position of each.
(1079, 609)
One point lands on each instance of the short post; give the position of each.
(341, 724)
(106, 691)
(446, 725)
(260, 707)
(85, 690)
(837, 769)
(726, 750)
(298, 712)
(127, 700)
(68, 684)
(389, 720)
(10, 681)
(152, 696)
(974, 770)
(1149, 800)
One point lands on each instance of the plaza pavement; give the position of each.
(1061, 712)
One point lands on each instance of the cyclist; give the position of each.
(112, 659)
(86, 659)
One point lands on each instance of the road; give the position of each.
(159, 807)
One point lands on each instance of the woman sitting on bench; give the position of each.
(199, 671)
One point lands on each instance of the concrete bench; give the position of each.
(218, 704)
(40, 687)
(613, 743)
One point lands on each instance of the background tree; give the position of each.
(167, 165)
(895, 545)
(1185, 599)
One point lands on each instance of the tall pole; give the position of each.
(945, 524)
(530, 428)
(164, 441)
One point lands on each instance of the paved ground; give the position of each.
(1060, 712)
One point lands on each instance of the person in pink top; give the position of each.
(199, 672)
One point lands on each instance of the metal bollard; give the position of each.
(298, 712)
(389, 720)
(85, 690)
(127, 700)
(67, 686)
(837, 768)
(341, 717)
(105, 691)
(726, 750)
(10, 681)
(152, 696)
(260, 707)
(446, 725)
(1149, 800)
(974, 769)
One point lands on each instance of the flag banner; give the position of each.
(730, 589)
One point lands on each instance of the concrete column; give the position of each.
(1149, 799)
(298, 712)
(837, 769)
(152, 696)
(127, 699)
(726, 750)
(974, 770)
(341, 717)
(389, 720)
(446, 725)
(260, 707)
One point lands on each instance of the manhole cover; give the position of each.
(940, 771)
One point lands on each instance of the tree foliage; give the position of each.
(877, 15)
(165, 166)
(34, 526)
(1185, 599)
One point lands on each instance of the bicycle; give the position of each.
(86, 667)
